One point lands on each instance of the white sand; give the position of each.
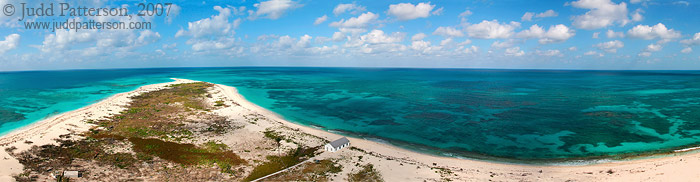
(404, 166)
(45, 131)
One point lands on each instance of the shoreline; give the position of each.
(43, 132)
(677, 166)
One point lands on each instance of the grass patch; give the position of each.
(157, 113)
(188, 154)
(276, 163)
(367, 174)
(57, 157)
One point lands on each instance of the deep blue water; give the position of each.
(515, 114)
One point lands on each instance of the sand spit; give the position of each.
(394, 164)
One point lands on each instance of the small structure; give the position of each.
(337, 144)
(72, 174)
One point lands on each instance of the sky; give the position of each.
(509, 34)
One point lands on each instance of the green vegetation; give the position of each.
(55, 157)
(219, 103)
(367, 174)
(188, 154)
(316, 171)
(276, 163)
(158, 113)
(154, 122)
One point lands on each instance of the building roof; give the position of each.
(339, 142)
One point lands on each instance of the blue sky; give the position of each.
(579, 34)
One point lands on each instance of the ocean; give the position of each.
(521, 115)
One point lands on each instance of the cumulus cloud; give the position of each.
(652, 32)
(528, 15)
(687, 50)
(492, 29)
(352, 8)
(338, 36)
(551, 52)
(469, 50)
(593, 53)
(556, 33)
(610, 46)
(573, 48)
(602, 13)
(272, 9)
(514, 51)
(11, 42)
(418, 36)
(408, 11)
(612, 34)
(378, 37)
(653, 48)
(174, 11)
(355, 24)
(692, 41)
(213, 33)
(215, 25)
(320, 20)
(448, 32)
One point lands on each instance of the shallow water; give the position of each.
(516, 114)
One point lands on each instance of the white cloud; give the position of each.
(556, 33)
(548, 13)
(550, 52)
(596, 35)
(685, 3)
(355, 24)
(687, 50)
(448, 32)
(602, 13)
(514, 51)
(213, 33)
(593, 53)
(424, 47)
(338, 36)
(352, 8)
(418, 36)
(653, 48)
(612, 34)
(492, 29)
(272, 9)
(408, 11)
(174, 11)
(470, 50)
(644, 54)
(147, 37)
(692, 41)
(637, 15)
(216, 25)
(11, 42)
(505, 44)
(320, 20)
(378, 37)
(438, 11)
(652, 32)
(610, 46)
(573, 48)
(527, 16)
(446, 42)
(636, 1)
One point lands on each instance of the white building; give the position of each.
(337, 144)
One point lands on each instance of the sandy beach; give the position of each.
(394, 164)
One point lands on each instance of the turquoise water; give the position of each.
(511, 114)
